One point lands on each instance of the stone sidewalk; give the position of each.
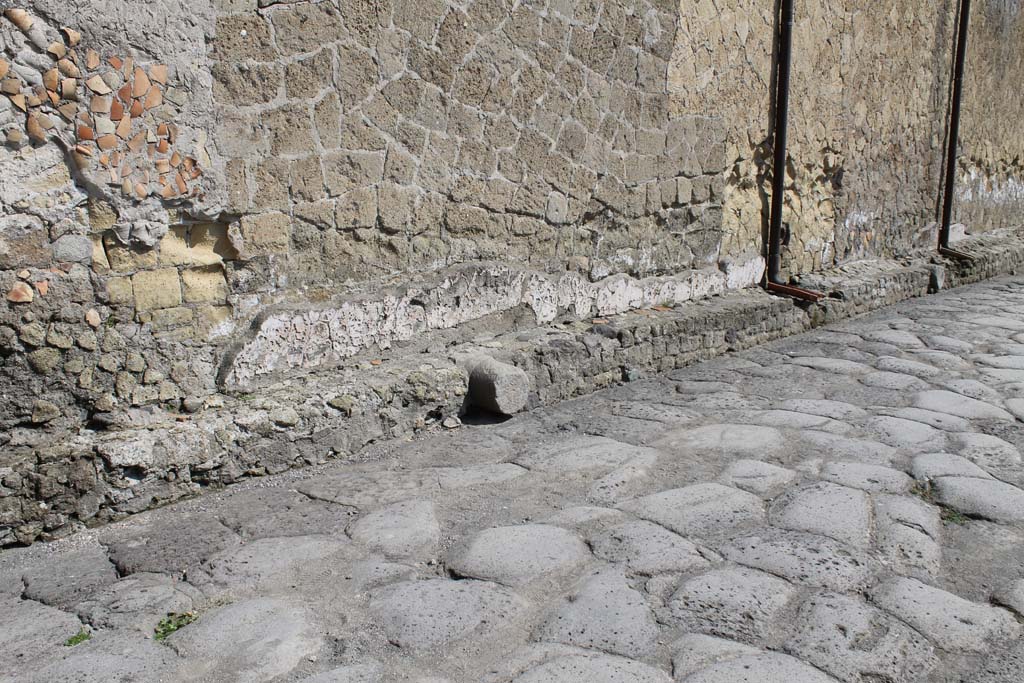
(843, 505)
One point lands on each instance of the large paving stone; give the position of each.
(960, 405)
(734, 439)
(943, 421)
(623, 482)
(837, 410)
(833, 365)
(732, 602)
(700, 510)
(31, 633)
(838, 512)
(517, 555)
(369, 489)
(109, 657)
(262, 513)
(860, 450)
(268, 563)
(581, 453)
(65, 579)
(871, 478)
(408, 529)
(949, 621)
(451, 478)
(934, 465)
(804, 559)
(252, 640)
(901, 433)
(170, 544)
(909, 531)
(900, 338)
(353, 673)
(767, 667)
(988, 452)
(894, 381)
(423, 615)
(792, 419)
(1012, 596)
(759, 478)
(853, 641)
(904, 366)
(138, 602)
(605, 614)
(648, 549)
(985, 498)
(596, 668)
(696, 651)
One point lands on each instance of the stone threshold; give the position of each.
(96, 477)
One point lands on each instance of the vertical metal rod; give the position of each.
(954, 123)
(779, 148)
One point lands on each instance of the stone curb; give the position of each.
(97, 477)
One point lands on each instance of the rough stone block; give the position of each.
(266, 233)
(204, 285)
(156, 289)
(498, 387)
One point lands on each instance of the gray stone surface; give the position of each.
(403, 530)
(423, 615)
(934, 465)
(759, 478)
(871, 478)
(960, 405)
(768, 667)
(838, 512)
(593, 668)
(735, 439)
(498, 387)
(909, 535)
(517, 555)
(354, 673)
(648, 549)
(985, 498)
(805, 559)
(699, 510)
(138, 602)
(31, 633)
(168, 545)
(695, 652)
(66, 580)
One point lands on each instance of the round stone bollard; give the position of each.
(497, 387)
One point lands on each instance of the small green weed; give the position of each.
(172, 622)
(951, 516)
(83, 635)
(924, 491)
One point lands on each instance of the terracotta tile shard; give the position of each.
(116, 110)
(34, 129)
(162, 146)
(68, 68)
(196, 172)
(115, 176)
(5, 68)
(115, 159)
(92, 59)
(124, 128)
(137, 109)
(53, 97)
(188, 163)
(116, 62)
(126, 187)
(69, 88)
(140, 83)
(128, 67)
(46, 122)
(138, 142)
(162, 165)
(168, 191)
(182, 185)
(175, 160)
(98, 86)
(68, 111)
(34, 99)
(105, 160)
(154, 98)
(161, 130)
(20, 293)
(100, 105)
(107, 142)
(19, 101)
(141, 190)
(43, 287)
(158, 73)
(125, 93)
(10, 86)
(20, 18)
(57, 50)
(71, 36)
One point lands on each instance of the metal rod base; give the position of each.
(954, 254)
(795, 292)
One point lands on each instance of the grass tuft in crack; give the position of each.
(172, 622)
(83, 635)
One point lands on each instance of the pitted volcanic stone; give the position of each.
(423, 615)
(951, 622)
(1012, 596)
(791, 419)
(831, 510)
(368, 489)
(908, 532)
(871, 478)
(894, 380)
(735, 439)
(767, 667)
(406, 529)
(853, 641)
(934, 465)
(985, 498)
(257, 639)
(988, 452)
(170, 544)
(648, 549)
(696, 651)
(582, 453)
(905, 366)
(859, 450)
(837, 410)
(901, 433)
(960, 405)
(516, 555)
(833, 365)
(31, 633)
(261, 513)
(943, 421)
(450, 478)
(352, 673)
(111, 656)
(803, 559)
(700, 510)
(138, 602)
(623, 482)
(593, 669)
(498, 387)
(605, 614)
(64, 580)
(733, 602)
(267, 563)
(759, 478)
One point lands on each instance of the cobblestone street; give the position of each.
(843, 505)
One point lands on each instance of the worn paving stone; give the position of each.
(368, 489)
(934, 465)
(517, 555)
(648, 549)
(836, 410)
(901, 433)
(943, 421)
(267, 563)
(604, 614)
(582, 453)
(853, 641)
(804, 559)
(595, 668)
(904, 366)
(422, 615)
(262, 513)
(138, 602)
(623, 482)
(985, 498)
(839, 512)
(257, 639)
(871, 478)
(858, 450)
(833, 365)
(960, 405)
(988, 452)
(735, 439)
(408, 529)
(352, 673)
(766, 667)
(700, 510)
(451, 478)
(696, 651)
(732, 602)
(760, 478)
(895, 381)
(32, 633)
(949, 621)
(909, 533)
(1011, 596)
(111, 656)
(168, 545)
(65, 580)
